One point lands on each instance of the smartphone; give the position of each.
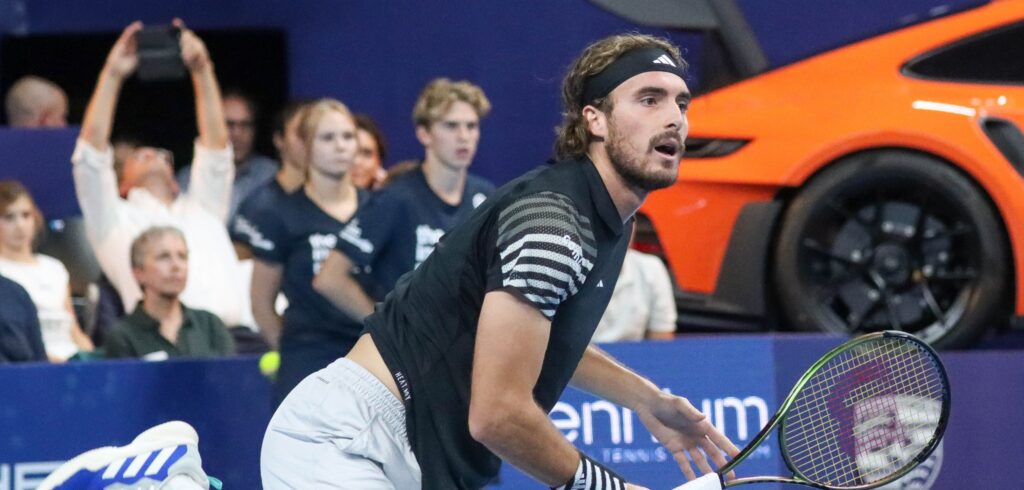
(159, 53)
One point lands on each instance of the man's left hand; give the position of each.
(193, 50)
(684, 430)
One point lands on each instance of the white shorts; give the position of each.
(339, 428)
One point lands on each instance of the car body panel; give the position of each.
(800, 118)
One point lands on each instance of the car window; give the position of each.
(992, 57)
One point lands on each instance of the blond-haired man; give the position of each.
(398, 228)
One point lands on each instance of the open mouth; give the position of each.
(669, 148)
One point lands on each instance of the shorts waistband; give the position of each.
(365, 384)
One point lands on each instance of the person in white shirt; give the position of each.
(148, 194)
(44, 278)
(642, 304)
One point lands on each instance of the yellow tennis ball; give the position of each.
(269, 363)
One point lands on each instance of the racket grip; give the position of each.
(710, 481)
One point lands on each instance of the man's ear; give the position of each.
(137, 273)
(597, 121)
(423, 135)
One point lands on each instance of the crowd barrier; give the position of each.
(51, 413)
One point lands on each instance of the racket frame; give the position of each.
(777, 420)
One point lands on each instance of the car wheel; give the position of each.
(892, 240)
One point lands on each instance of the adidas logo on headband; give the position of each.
(665, 60)
(629, 64)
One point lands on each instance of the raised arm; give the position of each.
(673, 420)
(213, 130)
(335, 282)
(120, 64)
(213, 168)
(95, 182)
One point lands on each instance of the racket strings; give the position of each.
(865, 414)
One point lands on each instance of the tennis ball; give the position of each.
(269, 363)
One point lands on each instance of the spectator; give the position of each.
(399, 169)
(44, 278)
(149, 193)
(368, 171)
(252, 170)
(642, 303)
(161, 326)
(399, 227)
(291, 151)
(291, 242)
(34, 102)
(20, 337)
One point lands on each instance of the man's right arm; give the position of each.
(121, 63)
(502, 412)
(95, 182)
(335, 282)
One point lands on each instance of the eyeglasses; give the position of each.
(145, 153)
(240, 123)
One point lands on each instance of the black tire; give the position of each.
(892, 240)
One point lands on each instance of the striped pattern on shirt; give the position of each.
(546, 249)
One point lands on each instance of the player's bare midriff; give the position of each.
(365, 354)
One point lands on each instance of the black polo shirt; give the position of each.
(552, 237)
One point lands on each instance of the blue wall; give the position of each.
(376, 55)
(51, 413)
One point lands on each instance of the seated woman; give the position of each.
(45, 278)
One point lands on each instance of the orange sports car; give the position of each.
(876, 186)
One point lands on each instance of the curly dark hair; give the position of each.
(573, 136)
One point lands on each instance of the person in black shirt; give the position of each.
(291, 242)
(459, 366)
(290, 177)
(399, 226)
(21, 339)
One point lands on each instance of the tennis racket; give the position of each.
(862, 416)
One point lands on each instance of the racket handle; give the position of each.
(710, 481)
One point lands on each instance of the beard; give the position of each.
(629, 162)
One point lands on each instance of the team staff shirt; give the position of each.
(298, 235)
(553, 238)
(261, 200)
(398, 228)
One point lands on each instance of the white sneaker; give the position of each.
(167, 452)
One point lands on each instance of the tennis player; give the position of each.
(459, 366)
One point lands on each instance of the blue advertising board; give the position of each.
(51, 413)
(735, 381)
